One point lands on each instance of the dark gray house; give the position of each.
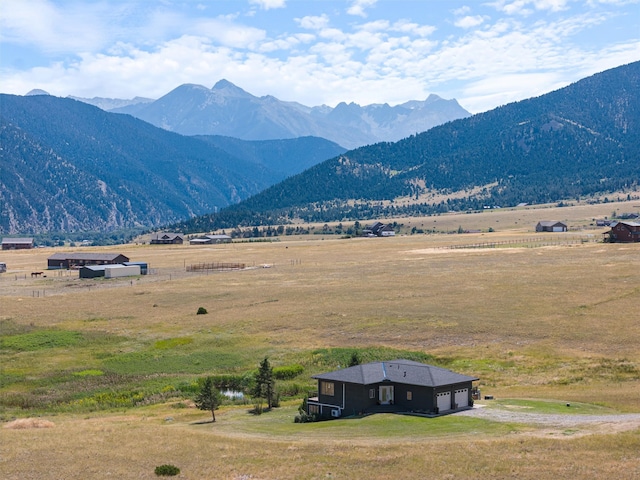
(551, 226)
(378, 229)
(400, 386)
(167, 239)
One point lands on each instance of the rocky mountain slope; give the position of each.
(577, 141)
(228, 110)
(68, 166)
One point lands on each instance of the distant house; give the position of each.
(378, 229)
(603, 222)
(17, 243)
(625, 232)
(401, 386)
(77, 260)
(167, 239)
(551, 226)
(210, 239)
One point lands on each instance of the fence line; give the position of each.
(525, 243)
(220, 266)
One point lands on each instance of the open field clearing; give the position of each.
(111, 364)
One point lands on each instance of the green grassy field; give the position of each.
(113, 363)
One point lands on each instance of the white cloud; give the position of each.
(458, 12)
(413, 28)
(523, 7)
(314, 59)
(470, 21)
(313, 22)
(269, 4)
(358, 7)
(40, 23)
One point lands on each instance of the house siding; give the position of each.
(71, 261)
(625, 232)
(353, 399)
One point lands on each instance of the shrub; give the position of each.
(287, 372)
(304, 417)
(202, 311)
(167, 470)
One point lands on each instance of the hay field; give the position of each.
(555, 322)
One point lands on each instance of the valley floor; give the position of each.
(105, 366)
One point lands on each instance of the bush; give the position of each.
(304, 417)
(167, 470)
(202, 311)
(287, 372)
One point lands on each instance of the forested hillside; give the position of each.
(576, 141)
(69, 166)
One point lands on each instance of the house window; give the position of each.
(409, 395)
(372, 393)
(327, 388)
(314, 409)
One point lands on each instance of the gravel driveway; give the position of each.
(626, 420)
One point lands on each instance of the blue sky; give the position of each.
(483, 53)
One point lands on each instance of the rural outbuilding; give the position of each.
(210, 239)
(117, 271)
(17, 243)
(625, 232)
(76, 260)
(399, 386)
(92, 271)
(551, 226)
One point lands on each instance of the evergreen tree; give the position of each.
(265, 383)
(355, 359)
(208, 398)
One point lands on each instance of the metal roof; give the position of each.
(396, 371)
(85, 256)
(17, 240)
(550, 223)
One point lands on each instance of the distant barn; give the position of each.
(210, 239)
(112, 271)
(77, 260)
(17, 243)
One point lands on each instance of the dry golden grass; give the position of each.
(131, 446)
(557, 322)
(24, 423)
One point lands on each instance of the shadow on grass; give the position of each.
(202, 422)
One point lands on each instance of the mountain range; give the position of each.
(581, 140)
(230, 111)
(69, 166)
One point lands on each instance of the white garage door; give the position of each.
(462, 397)
(444, 401)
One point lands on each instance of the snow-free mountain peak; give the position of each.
(229, 89)
(36, 91)
(228, 110)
